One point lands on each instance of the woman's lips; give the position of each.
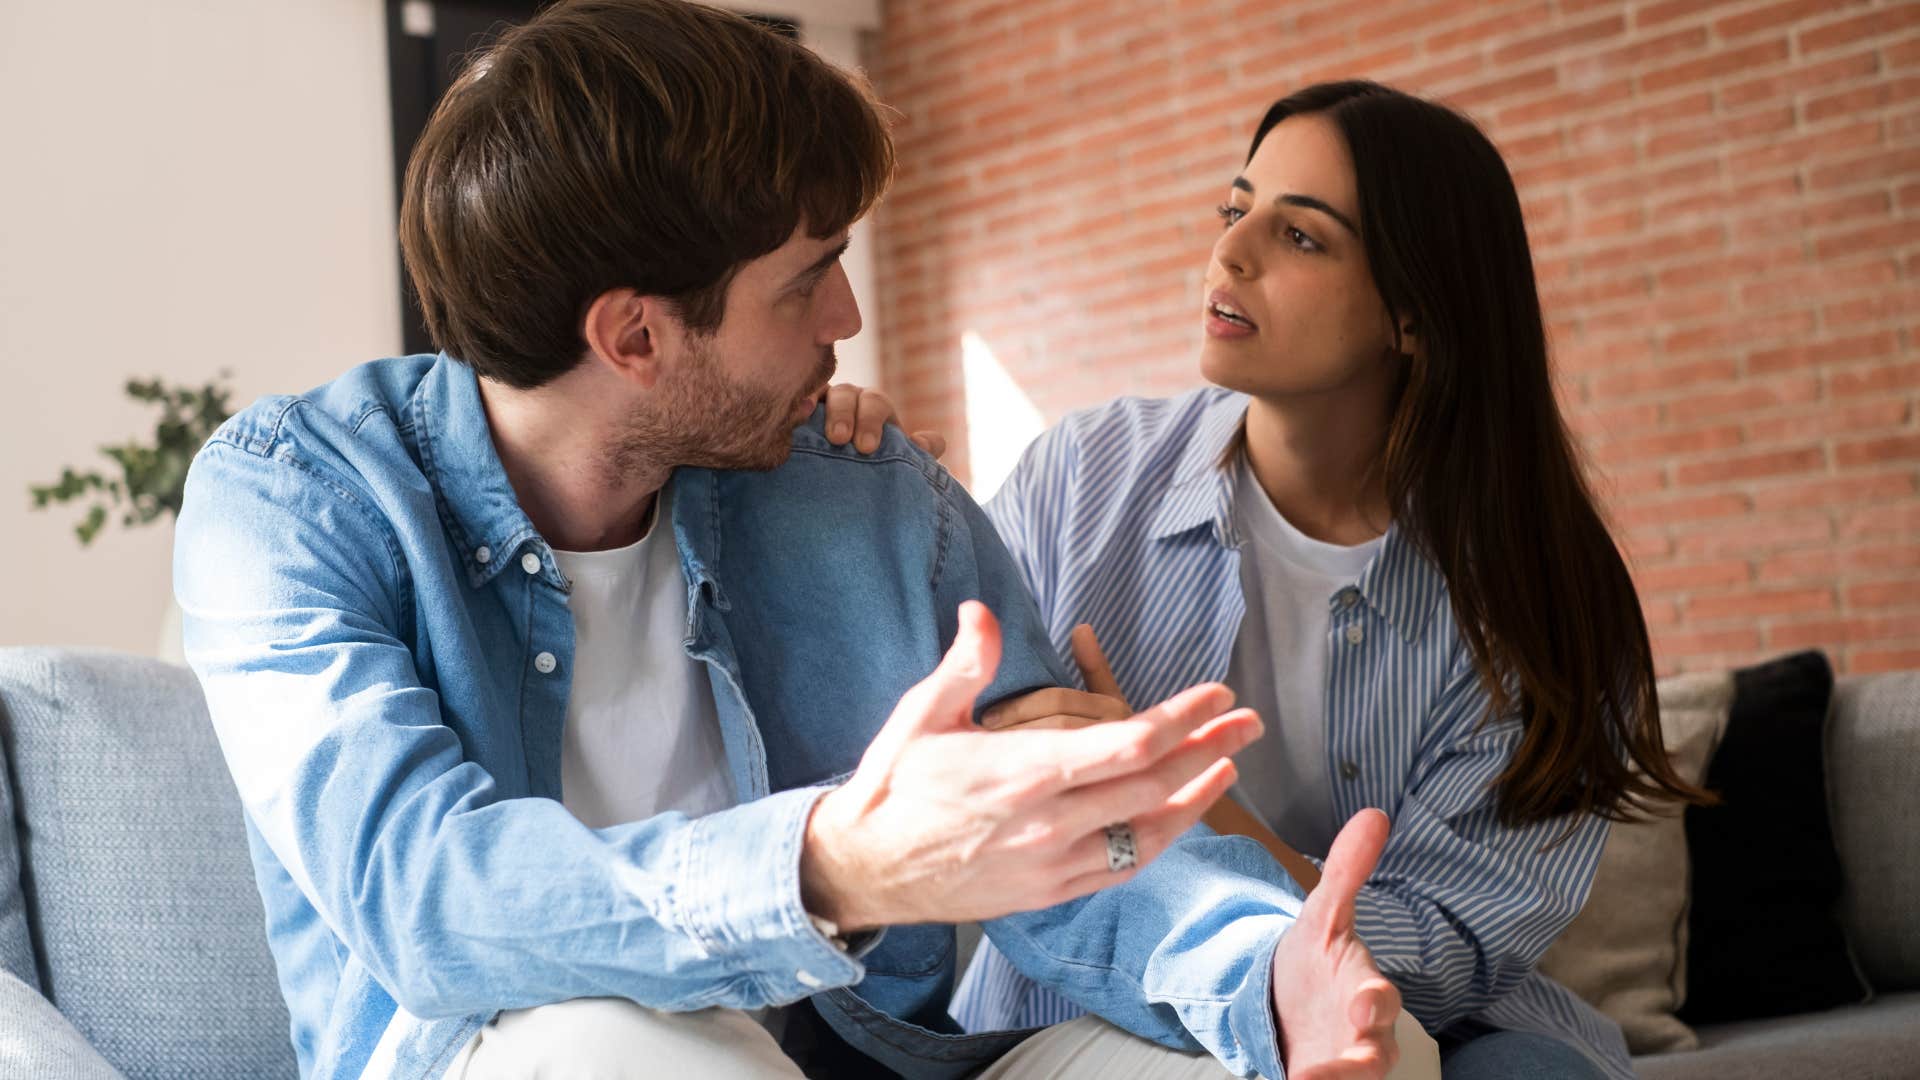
(1225, 318)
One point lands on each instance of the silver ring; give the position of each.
(1120, 850)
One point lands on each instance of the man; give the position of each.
(563, 753)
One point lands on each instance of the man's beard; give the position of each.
(708, 421)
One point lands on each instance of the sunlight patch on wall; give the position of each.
(1001, 421)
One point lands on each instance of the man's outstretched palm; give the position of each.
(1335, 1009)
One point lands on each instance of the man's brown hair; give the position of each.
(646, 144)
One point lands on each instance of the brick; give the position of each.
(1877, 308)
(1555, 42)
(1682, 577)
(1795, 152)
(1875, 661)
(1859, 27)
(1572, 102)
(1669, 10)
(1862, 99)
(1819, 280)
(1900, 519)
(1832, 632)
(1697, 441)
(1717, 135)
(1879, 165)
(1801, 78)
(1756, 536)
(1696, 508)
(1500, 25)
(1878, 238)
(1715, 65)
(1760, 328)
(1752, 466)
(1772, 15)
(1633, 383)
(1830, 421)
(1857, 347)
(1891, 378)
(1760, 603)
(1884, 594)
(1830, 490)
(1749, 396)
(1874, 451)
(1485, 93)
(1691, 642)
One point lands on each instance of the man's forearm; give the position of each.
(1229, 818)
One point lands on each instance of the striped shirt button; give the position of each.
(1349, 770)
(1355, 635)
(1349, 597)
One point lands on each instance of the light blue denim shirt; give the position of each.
(386, 648)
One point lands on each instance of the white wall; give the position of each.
(183, 187)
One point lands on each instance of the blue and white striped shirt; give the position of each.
(1121, 517)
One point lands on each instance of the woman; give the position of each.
(1375, 529)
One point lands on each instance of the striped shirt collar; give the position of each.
(1400, 584)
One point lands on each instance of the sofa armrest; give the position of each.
(40, 1043)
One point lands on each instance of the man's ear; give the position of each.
(622, 331)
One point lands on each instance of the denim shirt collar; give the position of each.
(1400, 583)
(482, 513)
(477, 503)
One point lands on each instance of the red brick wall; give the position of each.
(1724, 202)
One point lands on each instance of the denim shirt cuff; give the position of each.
(1250, 1015)
(741, 898)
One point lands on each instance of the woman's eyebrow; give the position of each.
(1309, 202)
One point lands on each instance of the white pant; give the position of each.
(614, 1039)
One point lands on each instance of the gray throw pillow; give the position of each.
(1626, 951)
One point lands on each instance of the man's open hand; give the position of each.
(944, 822)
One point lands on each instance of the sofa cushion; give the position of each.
(1879, 1041)
(1626, 951)
(1873, 771)
(16, 943)
(138, 885)
(1765, 927)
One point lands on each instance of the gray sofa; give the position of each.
(132, 945)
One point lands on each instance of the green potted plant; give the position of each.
(147, 478)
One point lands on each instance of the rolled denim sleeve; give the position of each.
(1461, 906)
(1181, 954)
(457, 899)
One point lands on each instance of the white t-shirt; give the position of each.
(1279, 665)
(642, 733)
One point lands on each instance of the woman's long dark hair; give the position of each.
(1480, 470)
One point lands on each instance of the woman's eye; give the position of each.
(1229, 214)
(1301, 240)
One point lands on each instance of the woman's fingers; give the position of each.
(1093, 663)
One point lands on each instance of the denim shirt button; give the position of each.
(530, 563)
(484, 555)
(545, 663)
(806, 979)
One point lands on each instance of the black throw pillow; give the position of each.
(1764, 933)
